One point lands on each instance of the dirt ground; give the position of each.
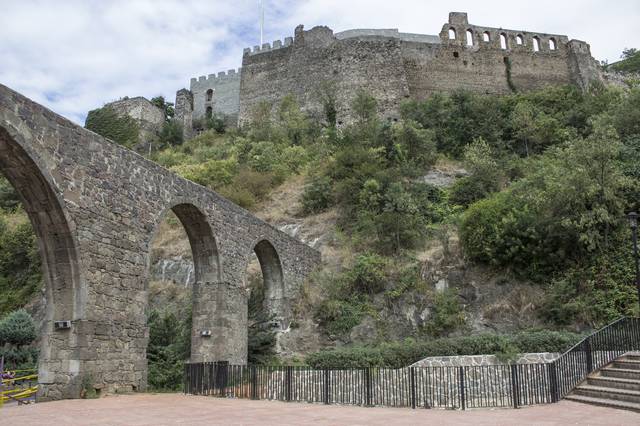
(177, 409)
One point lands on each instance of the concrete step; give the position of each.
(622, 373)
(608, 393)
(614, 382)
(604, 402)
(635, 356)
(629, 364)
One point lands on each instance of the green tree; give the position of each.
(171, 133)
(166, 107)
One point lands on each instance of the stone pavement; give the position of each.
(178, 409)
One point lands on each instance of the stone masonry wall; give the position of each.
(109, 201)
(394, 66)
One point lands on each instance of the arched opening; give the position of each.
(56, 244)
(267, 308)
(469, 38)
(452, 33)
(503, 41)
(209, 95)
(536, 44)
(183, 252)
(486, 37)
(552, 44)
(209, 112)
(519, 40)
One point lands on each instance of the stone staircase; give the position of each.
(615, 385)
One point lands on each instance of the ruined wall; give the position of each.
(95, 207)
(184, 112)
(224, 97)
(149, 117)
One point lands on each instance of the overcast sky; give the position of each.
(76, 55)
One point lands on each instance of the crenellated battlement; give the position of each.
(267, 47)
(221, 76)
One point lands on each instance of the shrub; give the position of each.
(367, 276)
(171, 133)
(17, 328)
(338, 317)
(447, 314)
(403, 354)
(317, 195)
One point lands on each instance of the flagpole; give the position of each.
(261, 22)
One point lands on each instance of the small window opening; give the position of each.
(519, 40)
(469, 38)
(456, 54)
(552, 44)
(503, 41)
(209, 112)
(536, 44)
(209, 95)
(452, 34)
(486, 37)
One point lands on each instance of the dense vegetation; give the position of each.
(20, 275)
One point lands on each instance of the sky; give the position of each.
(76, 55)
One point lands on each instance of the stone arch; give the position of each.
(486, 37)
(204, 247)
(57, 245)
(503, 41)
(535, 43)
(209, 95)
(552, 44)
(273, 279)
(469, 35)
(452, 33)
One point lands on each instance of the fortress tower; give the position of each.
(394, 66)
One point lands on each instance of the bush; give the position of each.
(338, 317)
(171, 133)
(17, 328)
(403, 354)
(367, 276)
(447, 314)
(317, 195)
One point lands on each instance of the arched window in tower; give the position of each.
(519, 40)
(209, 95)
(536, 44)
(486, 37)
(552, 44)
(469, 38)
(452, 34)
(209, 112)
(503, 41)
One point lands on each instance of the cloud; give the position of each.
(76, 55)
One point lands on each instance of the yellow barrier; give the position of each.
(18, 394)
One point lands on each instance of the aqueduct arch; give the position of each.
(95, 206)
(57, 248)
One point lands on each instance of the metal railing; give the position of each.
(490, 386)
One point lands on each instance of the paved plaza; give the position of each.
(178, 409)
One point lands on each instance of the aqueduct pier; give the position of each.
(95, 207)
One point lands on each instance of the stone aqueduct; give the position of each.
(95, 207)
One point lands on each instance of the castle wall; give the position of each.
(225, 96)
(393, 66)
(316, 56)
